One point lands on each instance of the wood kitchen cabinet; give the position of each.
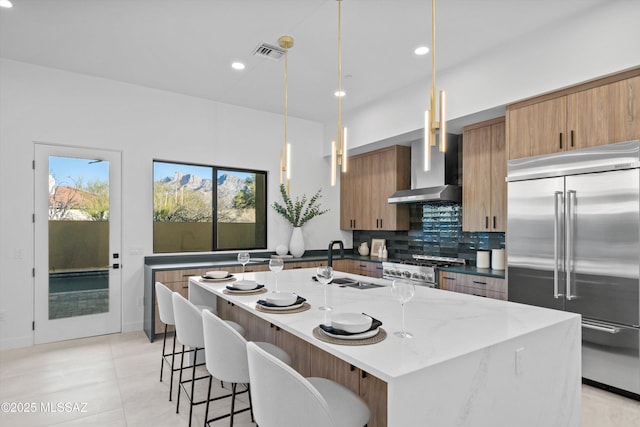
(361, 267)
(482, 286)
(364, 190)
(599, 112)
(177, 281)
(484, 189)
(366, 268)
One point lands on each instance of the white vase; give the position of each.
(296, 244)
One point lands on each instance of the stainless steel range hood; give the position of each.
(443, 193)
(440, 184)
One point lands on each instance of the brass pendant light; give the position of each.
(286, 43)
(430, 123)
(339, 148)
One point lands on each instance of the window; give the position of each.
(198, 208)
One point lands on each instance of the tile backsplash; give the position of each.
(436, 229)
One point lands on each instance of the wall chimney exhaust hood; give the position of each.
(440, 184)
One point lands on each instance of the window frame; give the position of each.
(214, 204)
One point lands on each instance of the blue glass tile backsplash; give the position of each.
(436, 229)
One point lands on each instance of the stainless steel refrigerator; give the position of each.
(573, 243)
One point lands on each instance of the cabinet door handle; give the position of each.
(561, 140)
(477, 295)
(572, 138)
(479, 283)
(380, 222)
(448, 278)
(494, 221)
(486, 222)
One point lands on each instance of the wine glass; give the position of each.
(324, 274)
(243, 258)
(276, 265)
(402, 292)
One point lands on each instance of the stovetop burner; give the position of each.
(420, 270)
(433, 261)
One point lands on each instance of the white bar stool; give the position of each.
(165, 312)
(226, 359)
(188, 321)
(284, 398)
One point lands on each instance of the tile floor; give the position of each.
(117, 377)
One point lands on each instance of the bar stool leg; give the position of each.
(173, 354)
(193, 383)
(250, 403)
(180, 381)
(164, 343)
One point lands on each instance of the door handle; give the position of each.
(571, 201)
(112, 267)
(557, 203)
(486, 222)
(599, 327)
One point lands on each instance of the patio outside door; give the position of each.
(77, 243)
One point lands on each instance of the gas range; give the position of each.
(420, 270)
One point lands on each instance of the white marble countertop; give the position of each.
(445, 325)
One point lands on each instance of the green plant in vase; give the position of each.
(298, 212)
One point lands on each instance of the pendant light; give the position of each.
(339, 147)
(286, 42)
(430, 123)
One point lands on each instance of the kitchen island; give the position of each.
(472, 361)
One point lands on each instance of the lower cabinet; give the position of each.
(178, 281)
(363, 268)
(482, 286)
(311, 361)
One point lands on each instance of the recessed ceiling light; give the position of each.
(339, 93)
(235, 65)
(422, 50)
(6, 4)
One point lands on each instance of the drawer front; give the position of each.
(491, 287)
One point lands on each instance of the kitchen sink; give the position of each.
(345, 282)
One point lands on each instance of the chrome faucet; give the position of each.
(330, 251)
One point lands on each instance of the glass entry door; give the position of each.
(77, 248)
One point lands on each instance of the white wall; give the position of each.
(57, 107)
(597, 43)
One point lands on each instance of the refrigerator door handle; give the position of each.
(568, 232)
(556, 242)
(600, 327)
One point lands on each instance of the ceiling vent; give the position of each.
(269, 51)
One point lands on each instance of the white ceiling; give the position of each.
(187, 46)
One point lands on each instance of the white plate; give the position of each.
(238, 291)
(245, 285)
(224, 279)
(288, 307)
(364, 335)
(281, 299)
(216, 274)
(354, 323)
